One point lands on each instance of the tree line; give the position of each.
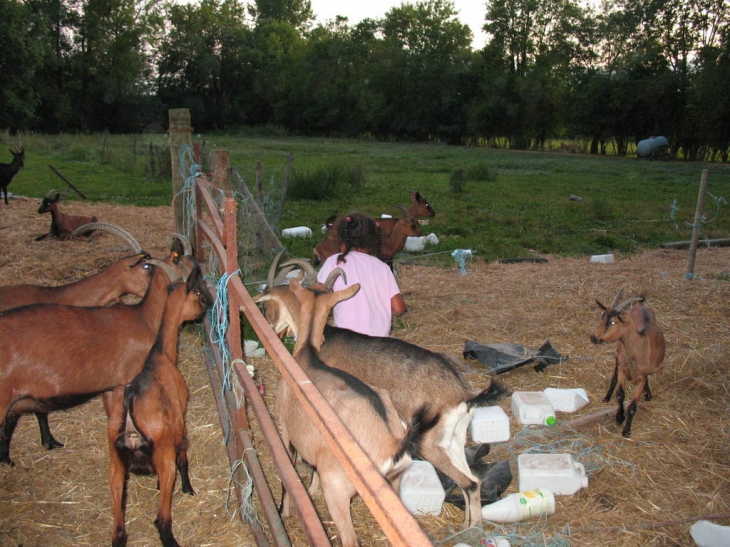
(551, 70)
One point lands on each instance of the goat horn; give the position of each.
(169, 270)
(332, 277)
(405, 211)
(112, 229)
(627, 302)
(272, 268)
(617, 299)
(604, 308)
(187, 247)
(310, 275)
(281, 276)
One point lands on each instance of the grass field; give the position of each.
(521, 209)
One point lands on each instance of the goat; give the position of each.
(55, 357)
(391, 242)
(367, 412)
(146, 429)
(62, 225)
(420, 207)
(129, 275)
(413, 376)
(639, 351)
(9, 170)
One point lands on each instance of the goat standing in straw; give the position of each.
(639, 351)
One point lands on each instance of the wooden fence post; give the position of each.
(180, 131)
(697, 224)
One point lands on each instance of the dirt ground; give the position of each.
(643, 491)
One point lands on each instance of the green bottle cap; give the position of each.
(551, 421)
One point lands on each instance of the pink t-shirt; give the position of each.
(369, 311)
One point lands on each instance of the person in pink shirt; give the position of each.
(371, 309)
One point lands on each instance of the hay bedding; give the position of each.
(674, 467)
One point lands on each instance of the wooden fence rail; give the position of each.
(218, 235)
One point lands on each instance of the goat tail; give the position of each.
(487, 397)
(422, 421)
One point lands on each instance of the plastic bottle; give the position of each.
(533, 407)
(488, 542)
(520, 506)
(556, 472)
(709, 534)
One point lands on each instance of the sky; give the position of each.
(471, 12)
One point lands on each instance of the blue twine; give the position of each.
(460, 257)
(218, 316)
(247, 509)
(187, 193)
(674, 208)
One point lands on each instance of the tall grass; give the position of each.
(511, 204)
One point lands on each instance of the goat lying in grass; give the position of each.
(62, 225)
(367, 412)
(55, 357)
(414, 377)
(146, 429)
(9, 170)
(639, 351)
(390, 244)
(129, 275)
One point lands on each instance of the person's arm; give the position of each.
(398, 305)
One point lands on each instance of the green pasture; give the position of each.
(499, 203)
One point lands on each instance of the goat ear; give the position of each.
(641, 319)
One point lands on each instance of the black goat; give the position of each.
(9, 170)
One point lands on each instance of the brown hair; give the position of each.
(359, 231)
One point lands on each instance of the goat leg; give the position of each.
(162, 458)
(629, 418)
(647, 392)
(612, 385)
(620, 394)
(6, 433)
(47, 439)
(182, 467)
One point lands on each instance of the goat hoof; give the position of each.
(53, 445)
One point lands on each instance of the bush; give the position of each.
(323, 183)
(457, 180)
(480, 172)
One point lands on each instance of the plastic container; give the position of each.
(566, 400)
(421, 490)
(556, 472)
(298, 231)
(603, 259)
(489, 424)
(432, 239)
(709, 534)
(415, 244)
(533, 408)
(520, 506)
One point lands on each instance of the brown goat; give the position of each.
(146, 429)
(391, 242)
(9, 170)
(129, 275)
(420, 207)
(414, 377)
(62, 225)
(55, 357)
(367, 412)
(639, 351)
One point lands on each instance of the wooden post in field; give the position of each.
(220, 163)
(180, 131)
(697, 224)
